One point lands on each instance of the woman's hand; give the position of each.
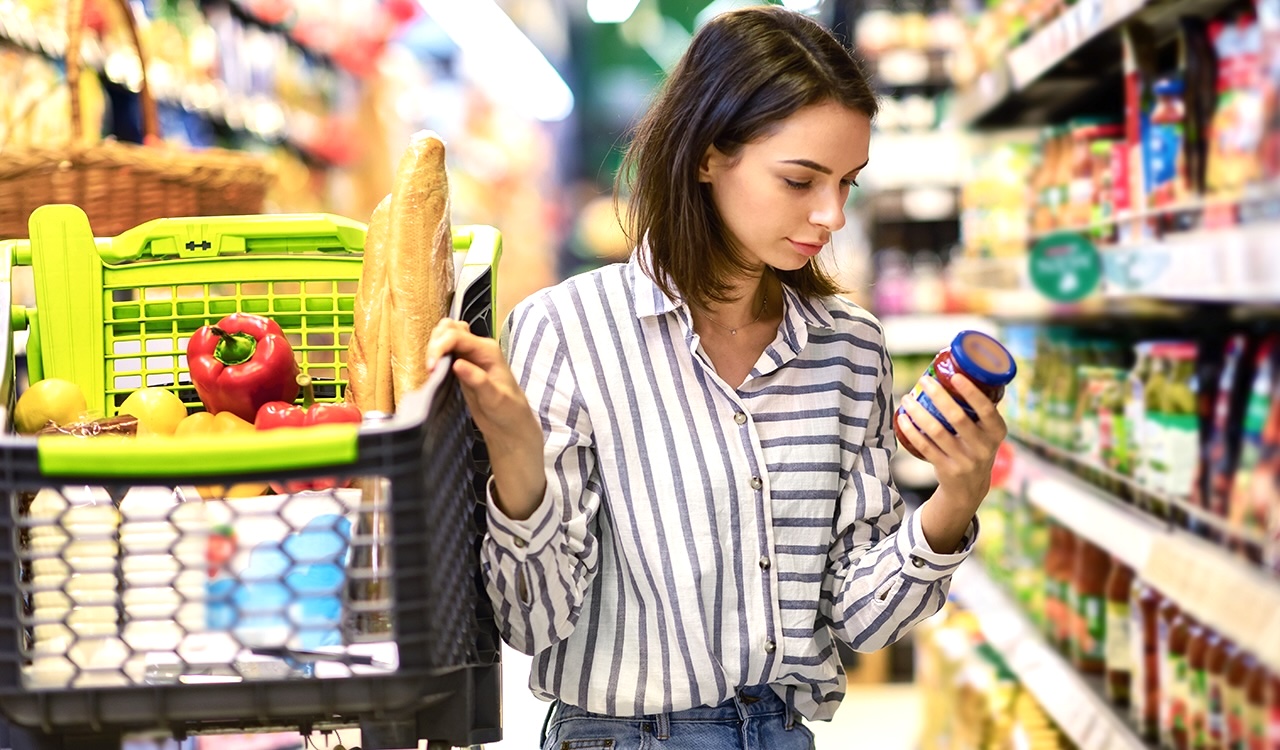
(501, 412)
(962, 461)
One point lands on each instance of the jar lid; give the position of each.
(983, 358)
(1171, 86)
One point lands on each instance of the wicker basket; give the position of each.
(121, 185)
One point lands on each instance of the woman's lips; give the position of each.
(805, 248)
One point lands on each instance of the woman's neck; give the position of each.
(752, 300)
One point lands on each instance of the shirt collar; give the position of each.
(651, 301)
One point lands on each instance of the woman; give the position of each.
(691, 495)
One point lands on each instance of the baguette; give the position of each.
(369, 351)
(420, 270)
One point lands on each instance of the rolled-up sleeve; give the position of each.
(538, 569)
(882, 576)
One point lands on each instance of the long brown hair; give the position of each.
(744, 72)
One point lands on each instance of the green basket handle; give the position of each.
(198, 456)
(235, 235)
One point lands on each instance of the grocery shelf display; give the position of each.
(1119, 223)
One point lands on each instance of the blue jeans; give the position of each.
(755, 719)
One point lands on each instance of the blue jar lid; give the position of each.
(982, 358)
(1172, 86)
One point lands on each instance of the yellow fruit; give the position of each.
(159, 411)
(222, 423)
(50, 400)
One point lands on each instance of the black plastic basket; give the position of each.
(447, 686)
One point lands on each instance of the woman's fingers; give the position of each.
(989, 417)
(969, 433)
(928, 425)
(455, 337)
(921, 441)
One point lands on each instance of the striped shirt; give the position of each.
(696, 538)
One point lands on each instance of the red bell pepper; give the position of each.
(242, 363)
(277, 414)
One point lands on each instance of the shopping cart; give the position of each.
(141, 592)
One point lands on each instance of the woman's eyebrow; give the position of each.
(815, 166)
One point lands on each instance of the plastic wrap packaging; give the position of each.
(369, 353)
(124, 425)
(420, 271)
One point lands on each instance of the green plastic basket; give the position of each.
(114, 314)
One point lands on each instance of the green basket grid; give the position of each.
(114, 314)
(156, 284)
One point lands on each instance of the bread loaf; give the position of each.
(421, 270)
(369, 351)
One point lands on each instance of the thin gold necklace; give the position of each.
(764, 305)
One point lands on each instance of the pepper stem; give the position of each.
(308, 391)
(234, 348)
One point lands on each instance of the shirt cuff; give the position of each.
(920, 562)
(521, 538)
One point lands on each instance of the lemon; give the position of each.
(50, 400)
(159, 411)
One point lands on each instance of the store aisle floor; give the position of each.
(873, 717)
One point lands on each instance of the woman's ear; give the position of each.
(712, 161)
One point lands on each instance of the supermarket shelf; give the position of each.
(1074, 701)
(261, 117)
(1069, 63)
(1225, 592)
(918, 204)
(928, 334)
(1235, 265)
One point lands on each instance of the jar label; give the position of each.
(1119, 641)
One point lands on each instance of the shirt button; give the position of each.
(770, 646)
(764, 563)
(756, 483)
(917, 561)
(740, 418)
(520, 542)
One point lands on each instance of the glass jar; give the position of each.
(982, 359)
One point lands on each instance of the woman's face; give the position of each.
(783, 195)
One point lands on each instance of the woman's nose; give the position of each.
(829, 214)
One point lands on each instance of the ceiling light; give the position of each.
(611, 11)
(501, 59)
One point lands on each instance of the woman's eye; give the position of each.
(850, 183)
(796, 185)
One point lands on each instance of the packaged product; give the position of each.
(1089, 607)
(1235, 133)
(1144, 642)
(1198, 63)
(1269, 26)
(1166, 164)
(1221, 413)
(1119, 647)
(1241, 510)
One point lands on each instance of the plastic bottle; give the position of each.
(1173, 675)
(1092, 566)
(1054, 587)
(1064, 625)
(1144, 628)
(1119, 651)
(1220, 653)
(1273, 712)
(1239, 666)
(1199, 642)
(1257, 708)
(982, 359)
